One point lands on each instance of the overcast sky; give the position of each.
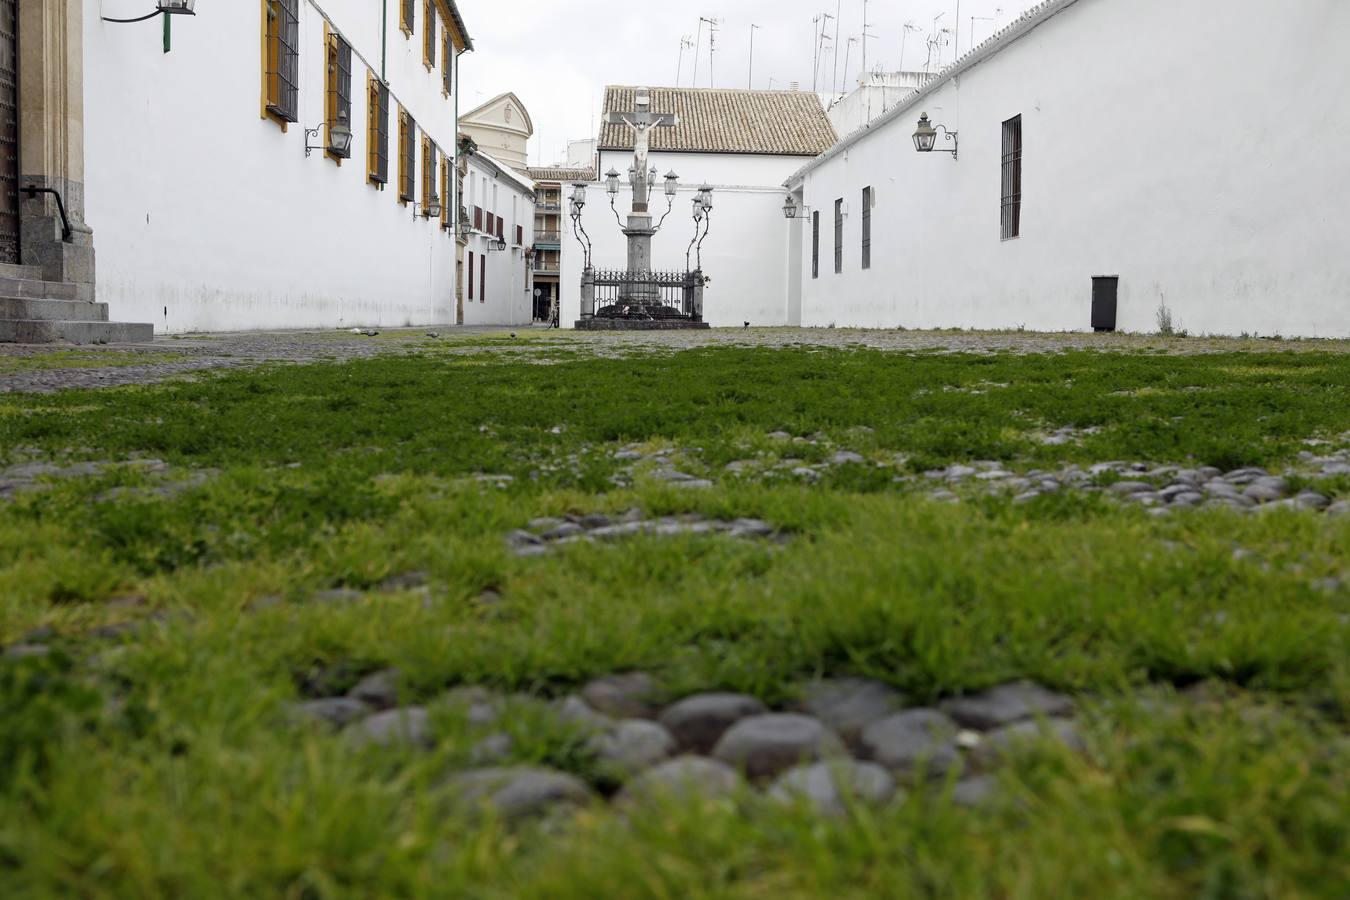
(558, 56)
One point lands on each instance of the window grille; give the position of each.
(838, 237)
(815, 245)
(445, 191)
(377, 130)
(428, 173)
(867, 228)
(407, 175)
(429, 37)
(1012, 179)
(339, 87)
(482, 279)
(282, 76)
(471, 273)
(448, 64)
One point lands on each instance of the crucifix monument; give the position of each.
(640, 231)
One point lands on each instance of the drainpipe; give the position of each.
(384, 37)
(453, 189)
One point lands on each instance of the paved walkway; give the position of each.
(49, 368)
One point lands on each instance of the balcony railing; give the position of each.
(547, 266)
(548, 237)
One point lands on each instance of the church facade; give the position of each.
(1116, 163)
(274, 164)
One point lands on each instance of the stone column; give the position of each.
(51, 138)
(588, 294)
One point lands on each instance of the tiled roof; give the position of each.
(566, 176)
(785, 123)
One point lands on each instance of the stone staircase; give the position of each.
(33, 311)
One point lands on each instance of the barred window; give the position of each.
(1012, 179)
(377, 131)
(815, 244)
(407, 157)
(445, 191)
(407, 16)
(838, 237)
(448, 64)
(867, 228)
(428, 172)
(429, 37)
(339, 93)
(281, 59)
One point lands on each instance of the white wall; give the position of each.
(509, 284)
(744, 255)
(1157, 148)
(208, 217)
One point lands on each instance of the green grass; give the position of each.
(167, 764)
(75, 359)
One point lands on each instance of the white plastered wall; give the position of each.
(509, 283)
(209, 218)
(1160, 145)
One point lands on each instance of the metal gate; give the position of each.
(9, 131)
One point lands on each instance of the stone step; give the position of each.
(37, 331)
(52, 310)
(28, 289)
(30, 273)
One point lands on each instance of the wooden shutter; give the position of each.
(471, 273)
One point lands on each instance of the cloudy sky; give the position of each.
(558, 56)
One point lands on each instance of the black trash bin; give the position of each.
(1105, 293)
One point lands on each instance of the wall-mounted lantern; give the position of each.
(464, 227)
(339, 139)
(162, 8)
(432, 209)
(497, 245)
(925, 138)
(792, 209)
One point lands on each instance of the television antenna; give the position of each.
(821, 37)
(712, 44)
(686, 43)
(910, 28)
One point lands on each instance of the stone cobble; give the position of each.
(194, 354)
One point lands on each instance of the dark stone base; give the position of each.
(598, 324)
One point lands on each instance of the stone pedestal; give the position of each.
(640, 233)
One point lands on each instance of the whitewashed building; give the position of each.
(741, 143)
(496, 283)
(215, 183)
(1140, 150)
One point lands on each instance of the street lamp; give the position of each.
(925, 138)
(612, 182)
(579, 196)
(672, 183)
(705, 196)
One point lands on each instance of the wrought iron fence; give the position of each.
(644, 295)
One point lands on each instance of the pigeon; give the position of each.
(433, 334)
(513, 334)
(747, 325)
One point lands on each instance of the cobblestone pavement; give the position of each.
(48, 368)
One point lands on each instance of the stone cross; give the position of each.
(642, 120)
(639, 231)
